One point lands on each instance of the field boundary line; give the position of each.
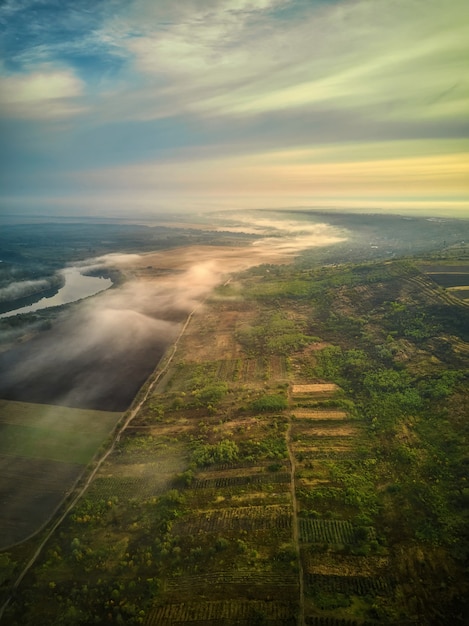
(296, 527)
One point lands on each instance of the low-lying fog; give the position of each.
(99, 353)
(76, 286)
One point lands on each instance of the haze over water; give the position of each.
(77, 286)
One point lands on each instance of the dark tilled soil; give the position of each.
(105, 378)
(30, 490)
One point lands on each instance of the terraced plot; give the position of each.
(340, 564)
(327, 430)
(323, 414)
(236, 481)
(326, 531)
(250, 519)
(357, 585)
(314, 389)
(226, 613)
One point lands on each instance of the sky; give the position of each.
(123, 107)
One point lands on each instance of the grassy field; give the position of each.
(52, 432)
(43, 451)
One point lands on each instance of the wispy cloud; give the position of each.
(226, 95)
(220, 58)
(44, 94)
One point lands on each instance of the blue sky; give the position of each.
(113, 107)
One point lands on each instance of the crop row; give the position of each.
(319, 441)
(234, 481)
(330, 453)
(157, 458)
(356, 585)
(238, 576)
(325, 432)
(310, 453)
(244, 518)
(278, 367)
(328, 531)
(240, 464)
(222, 612)
(334, 621)
(252, 369)
(228, 370)
(125, 487)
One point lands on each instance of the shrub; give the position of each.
(268, 403)
(226, 451)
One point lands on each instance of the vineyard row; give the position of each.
(234, 481)
(208, 612)
(357, 585)
(328, 531)
(243, 577)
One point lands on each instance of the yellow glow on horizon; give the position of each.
(444, 176)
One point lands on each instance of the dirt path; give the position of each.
(295, 526)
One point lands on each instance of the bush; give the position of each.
(269, 403)
(226, 451)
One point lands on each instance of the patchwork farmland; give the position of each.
(297, 480)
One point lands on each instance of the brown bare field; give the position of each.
(319, 446)
(348, 430)
(314, 388)
(320, 415)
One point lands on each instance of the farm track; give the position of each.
(296, 527)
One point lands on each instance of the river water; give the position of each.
(77, 286)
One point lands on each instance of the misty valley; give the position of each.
(245, 418)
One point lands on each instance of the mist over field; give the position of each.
(100, 351)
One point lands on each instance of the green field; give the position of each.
(43, 451)
(52, 432)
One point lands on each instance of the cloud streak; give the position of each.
(180, 91)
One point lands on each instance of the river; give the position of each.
(77, 286)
